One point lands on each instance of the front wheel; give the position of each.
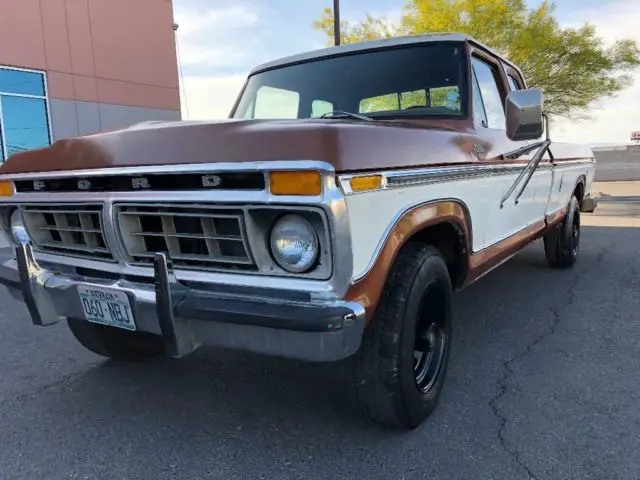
(561, 245)
(401, 366)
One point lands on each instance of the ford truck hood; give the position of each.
(348, 145)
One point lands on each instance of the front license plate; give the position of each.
(106, 306)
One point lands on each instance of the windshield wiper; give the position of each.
(343, 114)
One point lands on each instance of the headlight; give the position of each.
(294, 244)
(18, 230)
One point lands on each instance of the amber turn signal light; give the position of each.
(371, 182)
(295, 182)
(6, 189)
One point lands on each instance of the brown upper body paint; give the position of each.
(347, 145)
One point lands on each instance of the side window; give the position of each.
(513, 83)
(249, 112)
(417, 98)
(381, 103)
(436, 98)
(320, 107)
(276, 103)
(447, 97)
(487, 83)
(479, 113)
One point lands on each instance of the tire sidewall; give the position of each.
(418, 404)
(567, 231)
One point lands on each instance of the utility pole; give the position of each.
(336, 22)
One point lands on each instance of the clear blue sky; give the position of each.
(221, 40)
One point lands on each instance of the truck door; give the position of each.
(503, 218)
(535, 198)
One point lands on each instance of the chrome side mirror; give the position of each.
(524, 114)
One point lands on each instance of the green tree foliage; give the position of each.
(437, 98)
(573, 67)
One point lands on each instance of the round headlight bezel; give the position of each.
(317, 246)
(18, 229)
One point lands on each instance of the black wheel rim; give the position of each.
(430, 339)
(575, 235)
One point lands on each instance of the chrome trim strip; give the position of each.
(178, 168)
(428, 175)
(421, 177)
(570, 163)
(222, 196)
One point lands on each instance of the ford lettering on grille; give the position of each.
(140, 183)
(241, 181)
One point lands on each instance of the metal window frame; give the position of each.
(3, 137)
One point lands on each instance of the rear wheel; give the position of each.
(115, 343)
(562, 244)
(401, 366)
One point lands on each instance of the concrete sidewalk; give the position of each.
(616, 189)
(617, 205)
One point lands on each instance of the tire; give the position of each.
(562, 244)
(387, 389)
(114, 343)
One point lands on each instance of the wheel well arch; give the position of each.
(450, 239)
(579, 189)
(443, 223)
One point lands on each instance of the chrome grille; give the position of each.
(194, 236)
(75, 230)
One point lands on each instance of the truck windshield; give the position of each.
(414, 81)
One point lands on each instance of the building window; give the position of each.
(24, 112)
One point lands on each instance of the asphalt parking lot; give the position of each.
(543, 384)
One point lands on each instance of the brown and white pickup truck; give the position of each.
(350, 193)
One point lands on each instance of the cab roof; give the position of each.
(376, 45)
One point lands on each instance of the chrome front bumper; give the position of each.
(273, 322)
